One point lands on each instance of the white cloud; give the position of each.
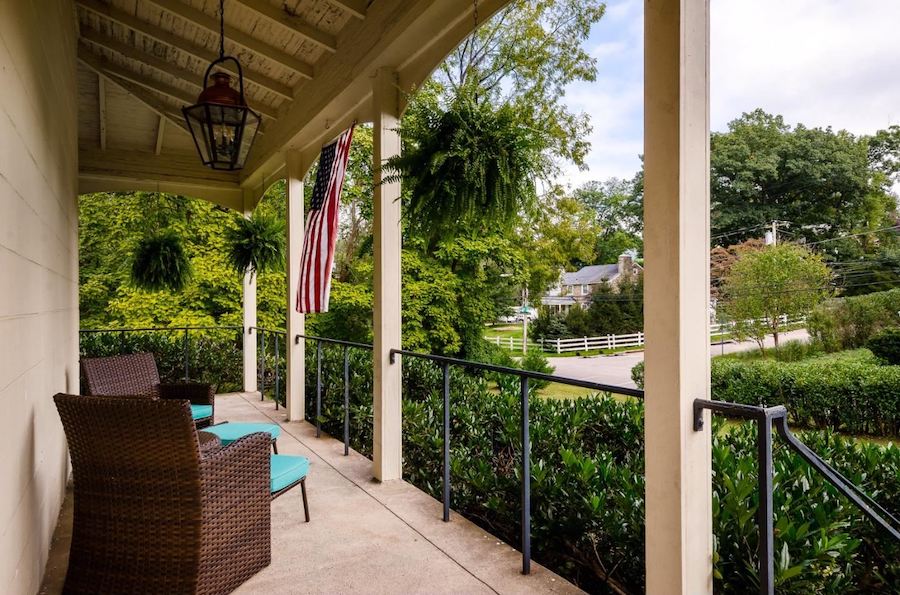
(819, 62)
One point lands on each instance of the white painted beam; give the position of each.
(387, 398)
(235, 35)
(182, 45)
(292, 23)
(295, 362)
(676, 289)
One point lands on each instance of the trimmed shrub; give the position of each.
(886, 346)
(846, 392)
(535, 361)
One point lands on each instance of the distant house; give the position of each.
(577, 288)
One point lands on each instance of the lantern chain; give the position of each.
(221, 28)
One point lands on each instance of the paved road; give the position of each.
(616, 369)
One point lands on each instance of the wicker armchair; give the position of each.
(136, 374)
(153, 515)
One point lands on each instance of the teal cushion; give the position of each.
(201, 411)
(232, 431)
(287, 469)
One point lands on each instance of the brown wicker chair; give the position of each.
(153, 515)
(136, 374)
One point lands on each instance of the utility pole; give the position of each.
(772, 234)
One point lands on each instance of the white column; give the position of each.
(676, 290)
(249, 307)
(387, 379)
(296, 324)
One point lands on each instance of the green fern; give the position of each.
(472, 165)
(160, 262)
(256, 244)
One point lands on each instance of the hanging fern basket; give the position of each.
(472, 165)
(256, 244)
(160, 262)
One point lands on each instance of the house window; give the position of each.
(585, 289)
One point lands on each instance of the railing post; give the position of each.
(122, 342)
(764, 513)
(262, 364)
(446, 446)
(318, 389)
(346, 401)
(277, 372)
(557, 346)
(526, 480)
(184, 346)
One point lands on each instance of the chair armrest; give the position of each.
(196, 393)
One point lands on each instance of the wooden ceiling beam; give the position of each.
(292, 23)
(140, 80)
(355, 7)
(234, 35)
(182, 45)
(99, 66)
(101, 108)
(159, 64)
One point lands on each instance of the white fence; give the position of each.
(603, 342)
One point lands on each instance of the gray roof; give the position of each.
(589, 275)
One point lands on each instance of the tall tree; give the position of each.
(618, 206)
(763, 285)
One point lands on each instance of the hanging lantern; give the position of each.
(222, 124)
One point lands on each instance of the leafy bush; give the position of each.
(549, 326)
(214, 356)
(848, 323)
(535, 361)
(791, 351)
(886, 346)
(588, 484)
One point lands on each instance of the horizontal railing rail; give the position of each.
(186, 340)
(525, 429)
(766, 418)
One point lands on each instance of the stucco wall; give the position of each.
(38, 276)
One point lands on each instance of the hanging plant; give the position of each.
(160, 262)
(471, 165)
(256, 244)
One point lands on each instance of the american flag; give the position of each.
(322, 226)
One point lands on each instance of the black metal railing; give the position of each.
(347, 345)
(525, 429)
(279, 338)
(186, 331)
(766, 418)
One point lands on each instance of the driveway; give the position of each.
(616, 369)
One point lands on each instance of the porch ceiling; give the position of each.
(308, 66)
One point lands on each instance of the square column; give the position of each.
(387, 377)
(676, 290)
(249, 309)
(296, 322)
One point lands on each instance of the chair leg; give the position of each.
(275, 446)
(305, 503)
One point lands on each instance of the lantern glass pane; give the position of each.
(195, 116)
(251, 126)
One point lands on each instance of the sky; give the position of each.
(817, 62)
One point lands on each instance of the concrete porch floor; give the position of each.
(364, 536)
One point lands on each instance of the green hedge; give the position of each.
(214, 356)
(846, 392)
(588, 483)
(886, 346)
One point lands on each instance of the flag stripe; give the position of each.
(321, 232)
